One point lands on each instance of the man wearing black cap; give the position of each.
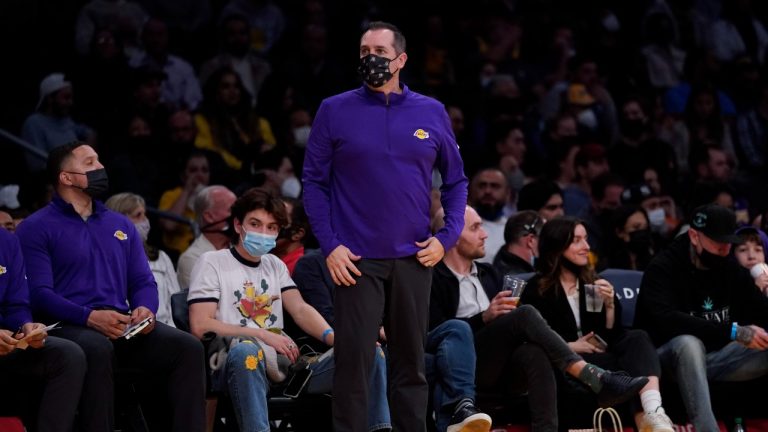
(703, 312)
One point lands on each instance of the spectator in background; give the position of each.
(237, 53)
(509, 142)
(542, 196)
(212, 209)
(51, 125)
(630, 240)
(53, 365)
(752, 132)
(709, 163)
(180, 88)
(265, 18)
(228, 125)
(293, 238)
(704, 122)
(663, 60)
(589, 163)
(274, 171)
(489, 193)
(6, 222)
(127, 18)
(194, 176)
(87, 268)
(738, 32)
(133, 207)
(750, 252)
(521, 243)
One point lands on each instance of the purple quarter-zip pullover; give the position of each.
(368, 173)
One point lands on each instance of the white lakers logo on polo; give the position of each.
(421, 134)
(121, 235)
(2, 270)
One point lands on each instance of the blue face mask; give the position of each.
(258, 244)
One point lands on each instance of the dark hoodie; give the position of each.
(676, 298)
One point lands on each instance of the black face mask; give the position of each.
(633, 128)
(640, 242)
(98, 182)
(374, 70)
(712, 261)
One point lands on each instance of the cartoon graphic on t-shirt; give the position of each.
(256, 307)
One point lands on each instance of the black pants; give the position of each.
(56, 370)
(398, 291)
(516, 352)
(172, 358)
(632, 352)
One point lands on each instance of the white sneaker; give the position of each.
(657, 422)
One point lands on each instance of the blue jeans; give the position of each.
(450, 366)
(248, 385)
(685, 359)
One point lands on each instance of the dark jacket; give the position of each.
(444, 300)
(554, 307)
(676, 298)
(506, 262)
(315, 284)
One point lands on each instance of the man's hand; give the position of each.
(139, 314)
(762, 283)
(500, 305)
(282, 344)
(758, 339)
(110, 323)
(7, 342)
(38, 340)
(340, 263)
(431, 252)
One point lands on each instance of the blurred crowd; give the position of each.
(625, 114)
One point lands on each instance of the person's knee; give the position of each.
(528, 312)
(637, 336)
(688, 347)
(458, 330)
(248, 355)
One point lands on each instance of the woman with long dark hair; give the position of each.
(559, 292)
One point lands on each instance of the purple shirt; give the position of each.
(368, 173)
(76, 266)
(14, 294)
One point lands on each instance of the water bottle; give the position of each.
(738, 425)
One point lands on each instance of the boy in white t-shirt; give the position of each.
(243, 292)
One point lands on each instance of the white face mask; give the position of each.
(588, 119)
(656, 218)
(291, 187)
(143, 229)
(301, 136)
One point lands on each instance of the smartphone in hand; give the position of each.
(597, 342)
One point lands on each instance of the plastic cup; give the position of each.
(515, 287)
(593, 298)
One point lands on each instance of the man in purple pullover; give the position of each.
(87, 268)
(367, 181)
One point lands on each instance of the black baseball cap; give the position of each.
(715, 222)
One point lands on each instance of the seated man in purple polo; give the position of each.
(87, 269)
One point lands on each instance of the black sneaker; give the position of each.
(618, 387)
(467, 418)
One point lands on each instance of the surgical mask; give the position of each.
(98, 182)
(588, 119)
(291, 187)
(712, 261)
(656, 219)
(301, 135)
(374, 70)
(143, 229)
(258, 244)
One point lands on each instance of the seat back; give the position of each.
(626, 283)
(180, 310)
